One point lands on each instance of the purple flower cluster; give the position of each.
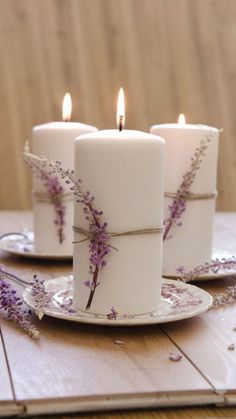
(227, 297)
(40, 295)
(214, 266)
(13, 307)
(55, 192)
(99, 246)
(178, 206)
(112, 315)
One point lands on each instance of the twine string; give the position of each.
(191, 196)
(88, 235)
(46, 197)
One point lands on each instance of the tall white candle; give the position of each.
(124, 171)
(190, 244)
(56, 141)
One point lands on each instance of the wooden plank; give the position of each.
(205, 340)
(5, 384)
(184, 58)
(184, 413)
(81, 367)
(8, 406)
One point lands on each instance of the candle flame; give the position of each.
(66, 107)
(181, 120)
(120, 114)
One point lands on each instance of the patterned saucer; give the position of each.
(178, 301)
(23, 245)
(217, 254)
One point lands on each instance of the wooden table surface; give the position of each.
(80, 368)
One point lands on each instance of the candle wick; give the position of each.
(120, 123)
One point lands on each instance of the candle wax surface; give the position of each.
(124, 172)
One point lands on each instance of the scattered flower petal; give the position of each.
(119, 342)
(175, 357)
(231, 347)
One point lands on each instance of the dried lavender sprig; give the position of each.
(214, 266)
(55, 192)
(13, 307)
(178, 205)
(40, 296)
(99, 246)
(223, 298)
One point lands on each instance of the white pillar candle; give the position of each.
(191, 244)
(124, 172)
(56, 141)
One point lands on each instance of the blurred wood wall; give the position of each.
(171, 56)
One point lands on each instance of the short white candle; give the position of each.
(56, 141)
(191, 244)
(124, 171)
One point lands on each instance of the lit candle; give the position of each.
(190, 244)
(123, 169)
(53, 224)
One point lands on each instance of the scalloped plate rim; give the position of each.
(140, 320)
(5, 246)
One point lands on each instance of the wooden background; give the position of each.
(171, 56)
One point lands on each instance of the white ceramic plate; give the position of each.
(18, 245)
(178, 301)
(217, 254)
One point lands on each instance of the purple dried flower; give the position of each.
(55, 192)
(214, 266)
(178, 205)
(113, 314)
(226, 297)
(13, 306)
(40, 296)
(87, 283)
